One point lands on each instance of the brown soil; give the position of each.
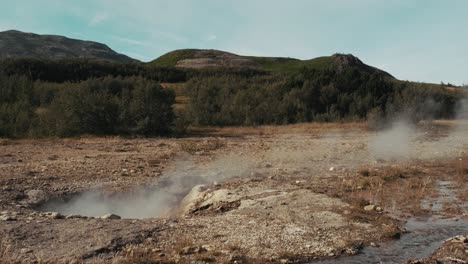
(280, 194)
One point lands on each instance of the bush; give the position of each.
(131, 106)
(314, 95)
(104, 106)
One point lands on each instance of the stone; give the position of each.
(370, 207)
(111, 216)
(71, 216)
(187, 250)
(192, 250)
(458, 239)
(7, 218)
(332, 169)
(36, 196)
(25, 250)
(379, 209)
(208, 247)
(372, 244)
(56, 215)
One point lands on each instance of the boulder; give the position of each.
(111, 216)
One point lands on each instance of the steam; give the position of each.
(158, 201)
(394, 143)
(398, 141)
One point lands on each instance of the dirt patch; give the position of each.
(295, 193)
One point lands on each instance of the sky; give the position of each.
(417, 40)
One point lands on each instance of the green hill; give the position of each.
(201, 59)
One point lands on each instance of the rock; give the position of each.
(25, 250)
(370, 207)
(36, 196)
(111, 216)
(379, 209)
(55, 215)
(187, 250)
(372, 244)
(71, 216)
(458, 239)
(7, 218)
(352, 250)
(237, 259)
(208, 247)
(332, 169)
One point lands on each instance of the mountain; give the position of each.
(15, 44)
(203, 58)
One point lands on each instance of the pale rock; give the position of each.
(370, 207)
(111, 216)
(7, 218)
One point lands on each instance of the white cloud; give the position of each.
(98, 18)
(211, 37)
(130, 41)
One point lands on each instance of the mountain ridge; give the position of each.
(211, 58)
(18, 44)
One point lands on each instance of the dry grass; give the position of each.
(194, 147)
(7, 142)
(7, 256)
(310, 128)
(387, 187)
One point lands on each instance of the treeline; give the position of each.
(312, 95)
(75, 70)
(41, 98)
(98, 106)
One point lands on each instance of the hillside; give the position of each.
(17, 44)
(55, 86)
(199, 59)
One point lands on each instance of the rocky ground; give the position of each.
(289, 194)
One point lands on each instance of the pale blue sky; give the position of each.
(419, 40)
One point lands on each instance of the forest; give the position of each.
(72, 97)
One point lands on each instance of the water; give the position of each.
(424, 237)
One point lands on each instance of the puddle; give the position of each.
(445, 197)
(426, 234)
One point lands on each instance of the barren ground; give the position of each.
(284, 194)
